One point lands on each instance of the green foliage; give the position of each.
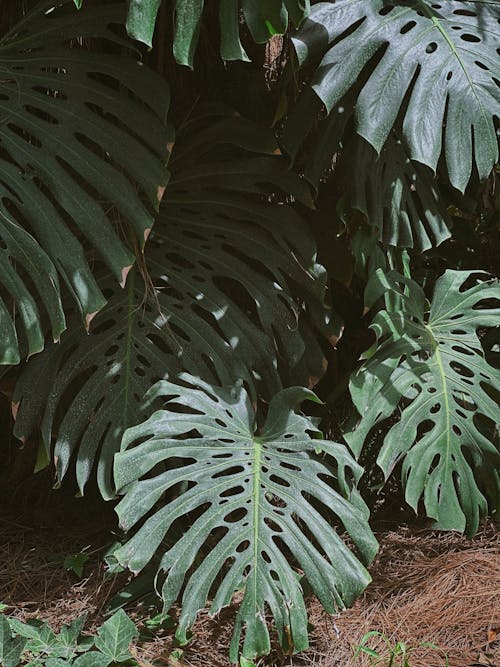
(11, 647)
(433, 66)
(428, 367)
(263, 18)
(216, 297)
(82, 139)
(395, 654)
(256, 495)
(35, 644)
(229, 493)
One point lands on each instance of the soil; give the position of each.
(428, 588)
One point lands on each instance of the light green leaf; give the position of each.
(436, 65)
(115, 636)
(11, 648)
(256, 493)
(431, 369)
(92, 659)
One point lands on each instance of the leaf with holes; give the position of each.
(82, 147)
(433, 65)
(431, 371)
(222, 270)
(399, 197)
(260, 502)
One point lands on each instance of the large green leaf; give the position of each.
(222, 267)
(399, 197)
(82, 140)
(430, 370)
(259, 501)
(436, 65)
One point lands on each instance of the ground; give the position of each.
(428, 587)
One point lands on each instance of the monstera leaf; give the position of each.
(215, 298)
(431, 372)
(264, 19)
(399, 197)
(258, 500)
(434, 64)
(81, 140)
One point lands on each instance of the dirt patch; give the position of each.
(427, 587)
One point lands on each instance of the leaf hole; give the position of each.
(467, 37)
(279, 480)
(234, 470)
(407, 27)
(243, 546)
(430, 48)
(235, 516)
(481, 65)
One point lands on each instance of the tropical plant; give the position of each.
(183, 390)
(431, 369)
(254, 492)
(82, 140)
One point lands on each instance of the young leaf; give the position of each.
(256, 496)
(431, 369)
(75, 563)
(115, 635)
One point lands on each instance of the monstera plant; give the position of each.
(163, 329)
(83, 140)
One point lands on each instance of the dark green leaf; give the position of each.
(437, 66)
(229, 18)
(141, 19)
(82, 140)
(222, 267)
(187, 17)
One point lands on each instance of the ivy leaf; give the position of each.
(115, 636)
(92, 659)
(259, 498)
(11, 648)
(429, 368)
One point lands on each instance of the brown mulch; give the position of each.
(431, 587)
